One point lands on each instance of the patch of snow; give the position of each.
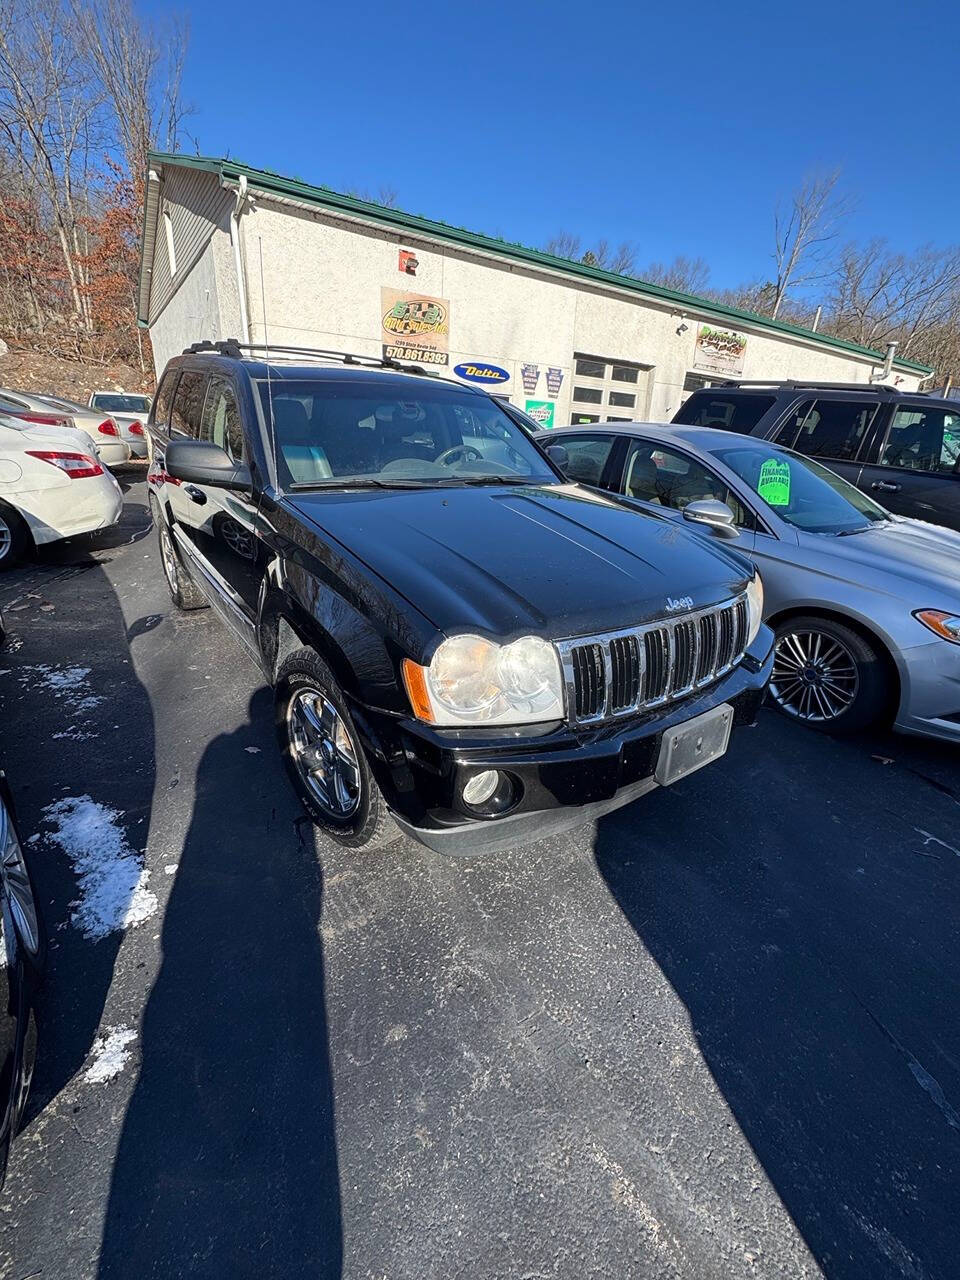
(254, 751)
(170, 869)
(75, 734)
(110, 1055)
(113, 880)
(70, 684)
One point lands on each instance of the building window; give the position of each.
(600, 381)
(588, 395)
(168, 231)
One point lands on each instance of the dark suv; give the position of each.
(458, 638)
(902, 448)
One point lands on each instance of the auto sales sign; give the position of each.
(414, 327)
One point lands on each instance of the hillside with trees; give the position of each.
(85, 90)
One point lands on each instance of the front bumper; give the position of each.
(561, 778)
(930, 690)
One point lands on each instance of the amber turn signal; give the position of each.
(415, 682)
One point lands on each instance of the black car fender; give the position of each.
(297, 609)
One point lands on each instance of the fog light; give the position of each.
(478, 789)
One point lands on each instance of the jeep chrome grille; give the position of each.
(624, 672)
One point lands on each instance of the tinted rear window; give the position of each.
(161, 412)
(726, 410)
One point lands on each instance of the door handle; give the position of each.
(195, 494)
(886, 486)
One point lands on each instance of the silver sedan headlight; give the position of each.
(471, 680)
(754, 607)
(944, 625)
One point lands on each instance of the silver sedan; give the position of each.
(865, 605)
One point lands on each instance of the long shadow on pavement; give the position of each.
(227, 1161)
(815, 948)
(66, 734)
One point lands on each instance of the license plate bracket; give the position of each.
(694, 743)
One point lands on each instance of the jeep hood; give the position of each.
(557, 560)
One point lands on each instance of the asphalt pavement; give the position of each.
(714, 1035)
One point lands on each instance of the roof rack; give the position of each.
(806, 383)
(236, 349)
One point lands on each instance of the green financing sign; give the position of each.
(774, 483)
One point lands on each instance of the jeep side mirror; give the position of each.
(201, 462)
(716, 515)
(558, 456)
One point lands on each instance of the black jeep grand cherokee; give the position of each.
(459, 639)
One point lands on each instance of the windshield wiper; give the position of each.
(495, 480)
(366, 482)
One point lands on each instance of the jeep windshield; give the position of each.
(335, 433)
(800, 491)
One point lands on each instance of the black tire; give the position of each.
(368, 825)
(15, 539)
(859, 682)
(184, 592)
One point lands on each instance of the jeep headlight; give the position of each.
(754, 607)
(471, 680)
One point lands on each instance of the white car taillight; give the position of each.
(108, 428)
(136, 429)
(78, 466)
(40, 419)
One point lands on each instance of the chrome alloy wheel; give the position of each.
(168, 555)
(6, 538)
(324, 753)
(815, 676)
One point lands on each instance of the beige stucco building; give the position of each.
(230, 251)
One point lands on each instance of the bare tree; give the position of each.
(802, 234)
(139, 71)
(683, 275)
(51, 121)
(563, 245)
(385, 195)
(620, 260)
(879, 295)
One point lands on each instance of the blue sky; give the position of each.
(675, 126)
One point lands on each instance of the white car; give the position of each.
(111, 448)
(52, 486)
(130, 409)
(106, 431)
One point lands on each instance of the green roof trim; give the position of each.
(276, 184)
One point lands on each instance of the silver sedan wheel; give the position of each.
(324, 753)
(168, 555)
(6, 538)
(815, 676)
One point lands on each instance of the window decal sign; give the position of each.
(530, 373)
(414, 327)
(542, 411)
(774, 483)
(554, 379)
(720, 350)
(481, 371)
